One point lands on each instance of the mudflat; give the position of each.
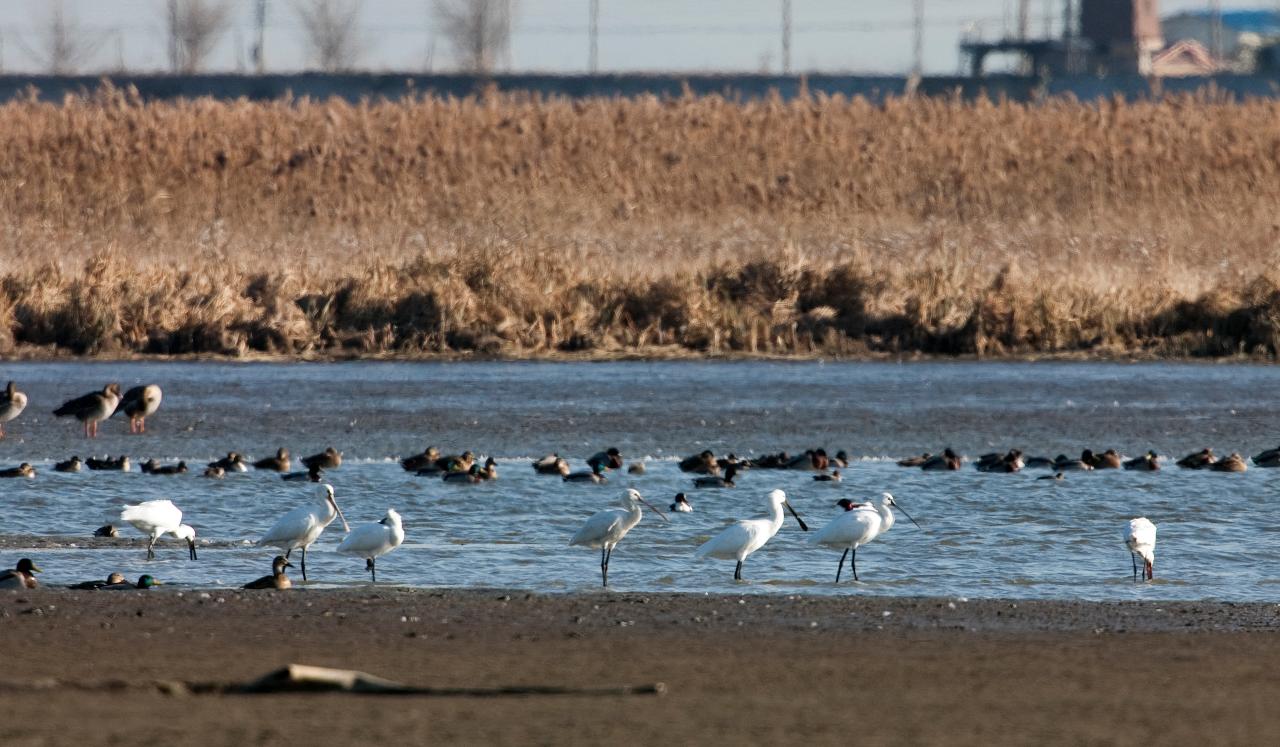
(81, 667)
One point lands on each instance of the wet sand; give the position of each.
(748, 669)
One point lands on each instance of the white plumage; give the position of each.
(12, 403)
(740, 539)
(1140, 538)
(302, 526)
(858, 525)
(155, 518)
(603, 530)
(372, 541)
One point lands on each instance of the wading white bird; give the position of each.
(741, 538)
(603, 530)
(12, 403)
(1140, 538)
(371, 541)
(137, 404)
(859, 524)
(303, 526)
(155, 518)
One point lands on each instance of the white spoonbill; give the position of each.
(859, 524)
(12, 403)
(303, 526)
(741, 538)
(155, 518)
(370, 541)
(1140, 538)
(605, 529)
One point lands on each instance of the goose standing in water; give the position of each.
(12, 403)
(278, 463)
(137, 404)
(92, 408)
(21, 577)
(372, 541)
(277, 579)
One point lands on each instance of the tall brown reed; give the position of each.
(512, 225)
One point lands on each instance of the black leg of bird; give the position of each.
(840, 565)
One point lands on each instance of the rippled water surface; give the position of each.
(983, 536)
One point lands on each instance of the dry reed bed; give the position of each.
(507, 225)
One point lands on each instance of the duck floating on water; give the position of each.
(152, 467)
(609, 459)
(22, 470)
(915, 461)
(71, 465)
(681, 504)
(703, 463)
(716, 481)
(1200, 460)
(418, 461)
(232, 462)
(278, 463)
(596, 475)
(833, 477)
(948, 461)
(1233, 463)
(1149, 462)
(313, 474)
(107, 464)
(145, 581)
(330, 458)
(549, 464)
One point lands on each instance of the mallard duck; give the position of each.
(1199, 460)
(12, 403)
(1108, 459)
(419, 461)
(842, 459)
(107, 464)
(1233, 463)
(71, 465)
(771, 461)
(1010, 462)
(330, 458)
(549, 464)
(22, 470)
(1038, 462)
(716, 481)
(814, 459)
(1055, 476)
(215, 472)
(703, 463)
(1066, 464)
(114, 578)
(277, 579)
(278, 463)
(21, 577)
(1148, 462)
(92, 408)
(610, 458)
(232, 462)
(459, 463)
(949, 461)
(138, 403)
(915, 461)
(1268, 459)
(833, 477)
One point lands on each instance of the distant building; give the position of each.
(1123, 35)
(1233, 37)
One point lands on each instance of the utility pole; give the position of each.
(260, 26)
(786, 37)
(917, 63)
(593, 29)
(1215, 29)
(1024, 19)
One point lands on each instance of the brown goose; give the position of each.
(12, 403)
(278, 463)
(92, 408)
(330, 458)
(137, 404)
(277, 579)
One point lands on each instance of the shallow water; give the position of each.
(983, 536)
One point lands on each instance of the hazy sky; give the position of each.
(551, 35)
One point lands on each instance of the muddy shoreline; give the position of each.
(739, 668)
